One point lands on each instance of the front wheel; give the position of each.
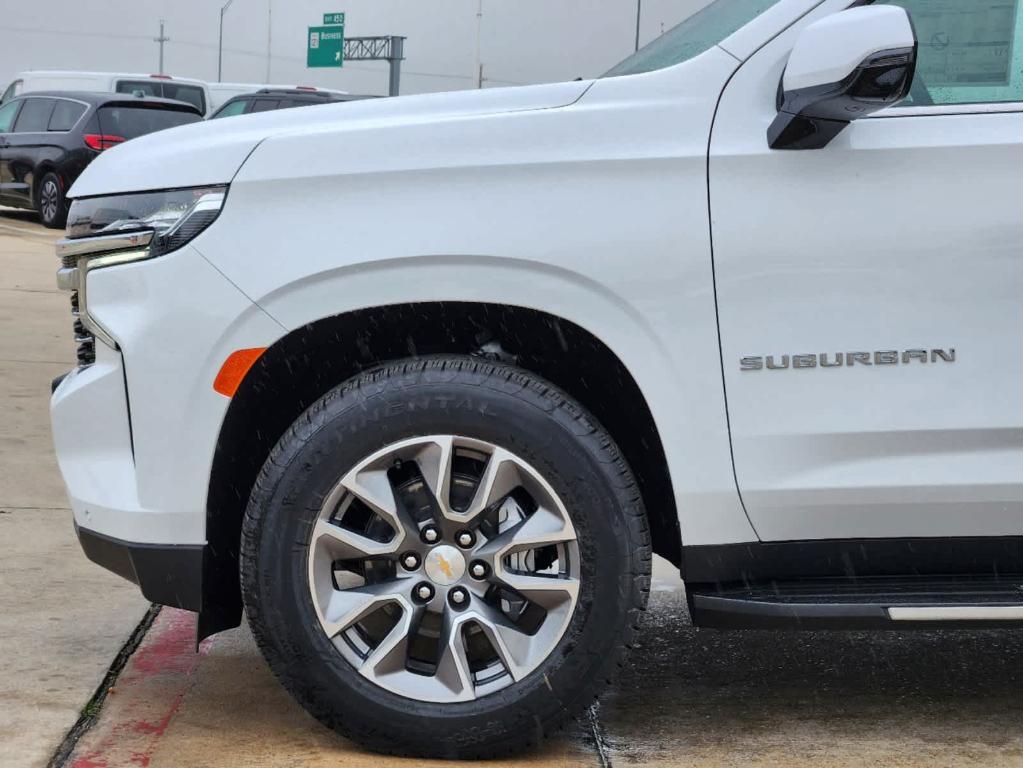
(51, 204)
(445, 558)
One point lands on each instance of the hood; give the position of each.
(211, 152)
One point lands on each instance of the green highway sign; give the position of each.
(326, 47)
(334, 18)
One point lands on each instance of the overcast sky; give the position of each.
(523, 41)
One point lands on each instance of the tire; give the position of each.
(538, 431)
(51, 203)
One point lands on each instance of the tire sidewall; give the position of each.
(559, 443)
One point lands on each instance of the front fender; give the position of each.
(595, 212)
(705, 498)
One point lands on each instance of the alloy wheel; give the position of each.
(49, 199)
(444, 568)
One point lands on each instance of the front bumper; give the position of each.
(135, 429)
(167, 574)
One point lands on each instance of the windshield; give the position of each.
(700, 32)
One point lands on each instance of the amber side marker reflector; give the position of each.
(234, 369)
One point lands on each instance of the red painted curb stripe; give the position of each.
(146, 696)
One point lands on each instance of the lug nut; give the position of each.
(458, 596)
(465, 539)
(424, 592)
(478, 570)
(410, 561)
(430, 534)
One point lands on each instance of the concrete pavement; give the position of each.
(688, 697)
(62, 620)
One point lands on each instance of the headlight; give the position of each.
(119, 229)
(173, 218)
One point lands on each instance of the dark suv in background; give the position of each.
(48, 137)
(269, 99)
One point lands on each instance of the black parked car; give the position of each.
(48, 137)
(269, 99)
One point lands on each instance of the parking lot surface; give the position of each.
(62, 620)
(689, 697)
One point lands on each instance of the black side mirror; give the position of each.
(844, 67)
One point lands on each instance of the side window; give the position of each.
(7, 113)
(65, 115)
(232, 108)
(265, 105)
(139, 87)
(969, 51)
(34, 116)
(190, 94)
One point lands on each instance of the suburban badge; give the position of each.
(847, 359)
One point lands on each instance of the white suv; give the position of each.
(422, 382)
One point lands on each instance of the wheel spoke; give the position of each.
(453, 665)
(541, 528)
(512, 645)
(546, 591)
(348, 606)
(373, 487)
(346, 544)
(500, 478)
(391, 653)
(434, 460)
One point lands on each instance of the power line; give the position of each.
(76, 33)
(238, 51)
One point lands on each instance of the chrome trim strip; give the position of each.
(80, 246)
(958, 613)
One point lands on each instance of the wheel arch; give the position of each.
(312, 359)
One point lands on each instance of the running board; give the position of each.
(866, 604)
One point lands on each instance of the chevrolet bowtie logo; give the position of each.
(445, 566)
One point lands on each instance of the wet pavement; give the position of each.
(703, 697)
(689, 697)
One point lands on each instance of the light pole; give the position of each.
(477, 73)
(220, 46)
(269, 35)
(161, 40)
(639, 14)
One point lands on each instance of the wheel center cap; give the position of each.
(444, 565)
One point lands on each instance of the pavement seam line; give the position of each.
(92, 709)
(593, 715)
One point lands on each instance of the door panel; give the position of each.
(901, 238)
(27, 146)
(8, 113)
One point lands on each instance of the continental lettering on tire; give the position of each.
(878, 358)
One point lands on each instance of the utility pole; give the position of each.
(477, 72)
(161, 40)
(220, 46)
(639, 15)
(269, 34)
(397, 54)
